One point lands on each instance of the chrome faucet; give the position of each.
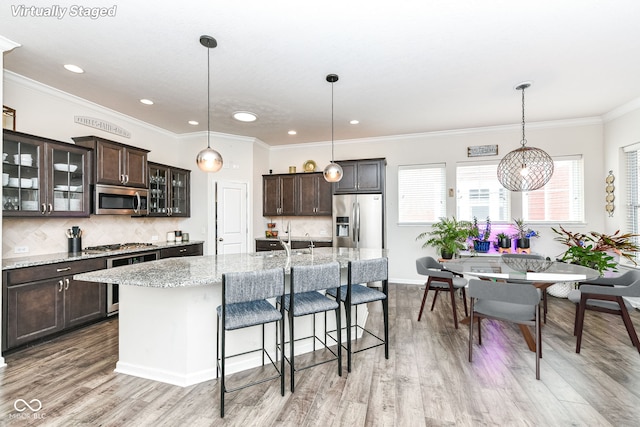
(311, 245)
(287, 245)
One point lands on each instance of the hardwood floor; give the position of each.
(427, 380)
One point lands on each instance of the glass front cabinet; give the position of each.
(43, 177)
(169, 191)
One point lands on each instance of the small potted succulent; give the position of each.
(503, 240)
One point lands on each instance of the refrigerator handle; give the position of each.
(354, 224)
(358, 223)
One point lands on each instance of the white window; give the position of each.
(632, 155)
(562, 198)
(480, 194)
(421, 193)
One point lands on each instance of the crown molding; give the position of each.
(622, 110)
(7, 45)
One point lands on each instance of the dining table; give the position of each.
(540, 273)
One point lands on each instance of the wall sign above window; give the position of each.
(482, 150)
(102, 125)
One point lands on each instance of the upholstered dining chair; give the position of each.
(509, 302)
(600, 296)
(356, 292)
(441, 280)
(305, 299)
(535, 257)
(245, 304)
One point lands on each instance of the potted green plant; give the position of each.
(447, 236)
(594, 249)
(523, 234)
(480, 236)
(503, 240)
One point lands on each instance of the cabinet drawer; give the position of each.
(190, 250)
(41, 272)
(268, 245)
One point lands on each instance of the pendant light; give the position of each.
(333, 171)
(527, 168)
(209, 160)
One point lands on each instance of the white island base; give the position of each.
(169, 334)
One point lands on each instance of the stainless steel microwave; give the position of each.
(114, 200)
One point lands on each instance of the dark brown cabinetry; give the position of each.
(169, 191)
(42, 300)
(314, 195)
(361, 176)
(185, 250)
(278, 195)
(304, 194)
(116, 163)
(44, 177)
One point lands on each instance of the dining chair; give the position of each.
(356, 292)
(534, 257)
(605, 298)
(441, 280)
(305, 299)
(509, 302)
(245, 304)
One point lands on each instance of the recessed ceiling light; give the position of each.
(292, 132)
(146, 101)
(193, 123)
(354, 122)
(74, 68)
(245, 116)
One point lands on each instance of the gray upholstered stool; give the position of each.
(244, 304)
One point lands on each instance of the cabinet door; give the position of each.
(67, 170)
(158, 194)
(307, 194)
(21, 168)
(370, 176)
(135, 172)
(83, 301)
(349, 181)
(179, 191)
(325, 197)
(110, 160)
(271, 195)
(288, 194)
(34, 310)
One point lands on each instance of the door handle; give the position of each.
(60, 285)
(220, 239)
(66, 284)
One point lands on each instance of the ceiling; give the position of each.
(407, 67)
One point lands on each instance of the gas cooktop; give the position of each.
(118, 246)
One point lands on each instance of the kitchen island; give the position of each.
(167, 319)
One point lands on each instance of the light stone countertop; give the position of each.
(208, 270)
(31, 261)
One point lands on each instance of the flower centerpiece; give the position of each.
(480, 236)
(523, 234)
(448, 236)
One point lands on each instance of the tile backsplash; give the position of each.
(45, 236)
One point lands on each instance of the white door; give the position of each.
(231, 209)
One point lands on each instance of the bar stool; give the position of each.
(304, 299)
(244, 304)
(357, 292)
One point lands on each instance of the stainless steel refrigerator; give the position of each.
(358, 221)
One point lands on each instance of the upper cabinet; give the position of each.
(116, 163)
(278, 195)
(43, 177)
(314, 195)
(302, 194)
(361, 176)
(169, 191)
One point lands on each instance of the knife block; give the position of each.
(75, 245)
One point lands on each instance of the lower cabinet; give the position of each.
(36, 307)
(263, 245)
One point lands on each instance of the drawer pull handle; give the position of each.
(59, 270)
(183, 250)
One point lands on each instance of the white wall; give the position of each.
(557, 138)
